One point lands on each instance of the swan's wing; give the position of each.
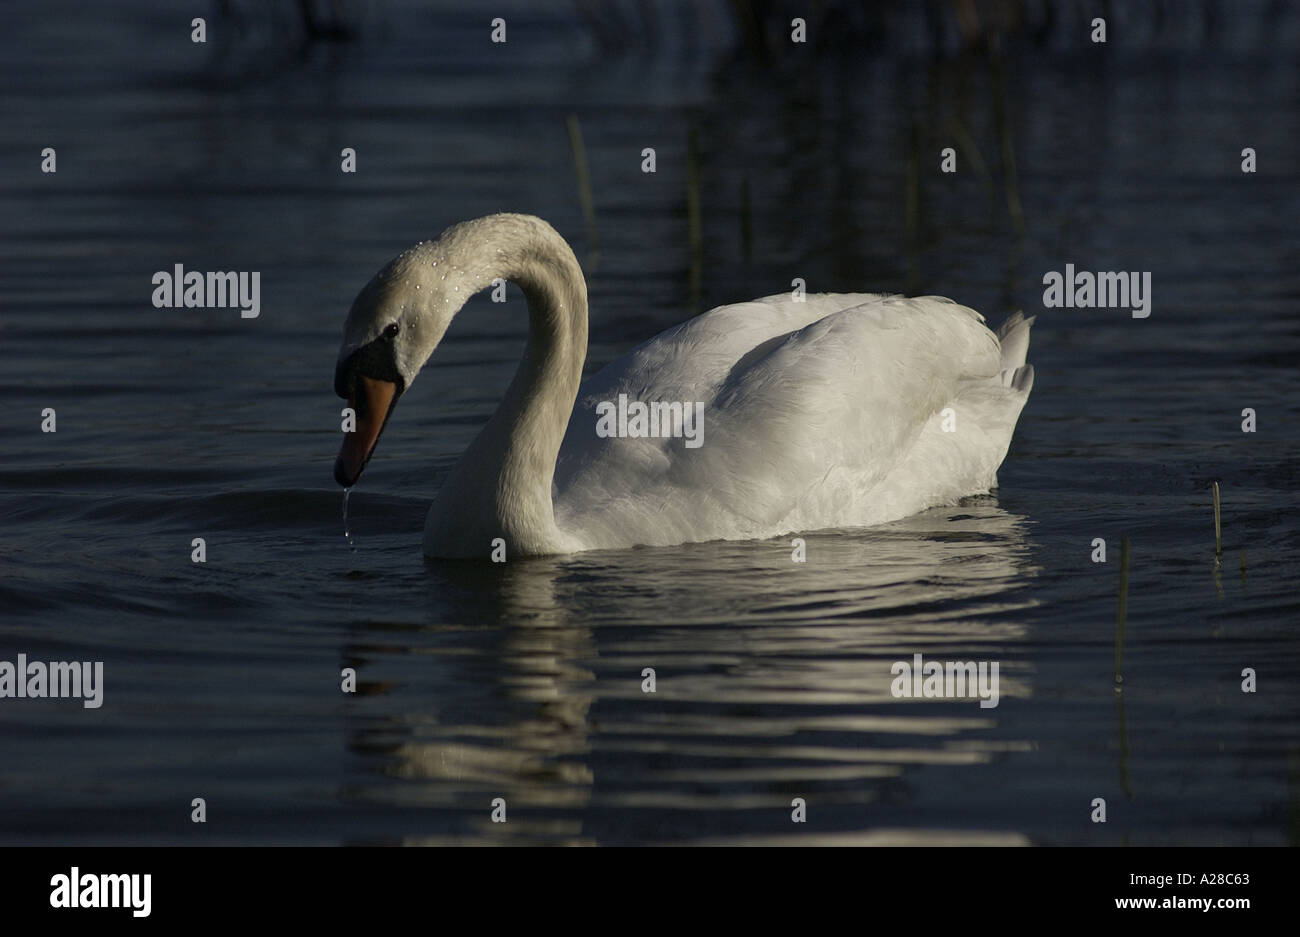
(698, 354)
(804, 404)
(692, 360)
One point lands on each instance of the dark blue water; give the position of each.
(222, 680)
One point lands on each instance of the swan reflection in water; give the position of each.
(772, 682)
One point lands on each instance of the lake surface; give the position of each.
(524, 681)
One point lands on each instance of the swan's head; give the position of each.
(395, 323)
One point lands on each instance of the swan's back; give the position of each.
(830, 412)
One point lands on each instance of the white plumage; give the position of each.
(842, 410)
(818, 414)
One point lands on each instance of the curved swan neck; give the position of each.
(501, 487)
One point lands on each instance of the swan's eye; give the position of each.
(392, 329)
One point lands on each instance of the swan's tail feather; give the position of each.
(1013, 336)
(1020, 379)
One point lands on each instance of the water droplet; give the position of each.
(347, 493)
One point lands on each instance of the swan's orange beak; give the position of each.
(372, 401)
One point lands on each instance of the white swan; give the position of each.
(843, 410)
